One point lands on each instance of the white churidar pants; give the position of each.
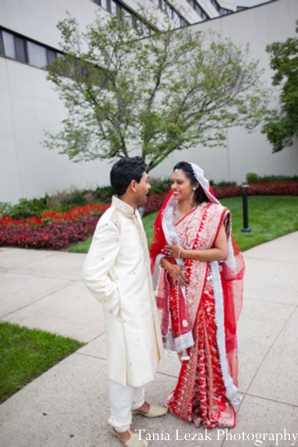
(123, 399)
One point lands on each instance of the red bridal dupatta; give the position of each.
(200, 319)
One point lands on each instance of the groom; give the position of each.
(117, 273)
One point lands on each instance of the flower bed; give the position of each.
(54, 230)
(57, 230)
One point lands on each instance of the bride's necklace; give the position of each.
(179, 215)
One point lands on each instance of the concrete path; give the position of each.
(68, 405)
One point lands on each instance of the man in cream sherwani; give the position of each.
(117, 272)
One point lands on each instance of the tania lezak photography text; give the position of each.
(281, 438)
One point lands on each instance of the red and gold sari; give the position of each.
(199, 320)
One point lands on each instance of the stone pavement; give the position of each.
(68, 405)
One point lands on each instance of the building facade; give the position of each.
(29, 41)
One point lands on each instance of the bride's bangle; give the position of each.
(180, 251)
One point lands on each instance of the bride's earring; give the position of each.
(194, 189)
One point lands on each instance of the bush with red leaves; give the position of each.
(54, 236)
(54, 230)
(259, 189)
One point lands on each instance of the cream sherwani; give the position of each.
(117, 273)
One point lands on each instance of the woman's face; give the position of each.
(181, 186)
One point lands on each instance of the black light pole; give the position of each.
(245, 228)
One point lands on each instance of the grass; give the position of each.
(269, 217)
(81, 247)
(27, 353)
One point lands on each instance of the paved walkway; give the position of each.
(68, 405)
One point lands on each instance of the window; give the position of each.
(162, 4)
(13, 46)
(37, 55)
(8, 45)
(198, 9)
(171, 12)
(51, 55)
(220, 10)
(20, 45)
(176, 18)
(103, 3)
(116, 7)
(113, 9)
(191, 3)
(24, 50)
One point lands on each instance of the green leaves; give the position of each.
(152, 96)
(281, 126)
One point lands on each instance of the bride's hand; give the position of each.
(177, 274)
(173, 250)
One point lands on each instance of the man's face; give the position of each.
(142, 189)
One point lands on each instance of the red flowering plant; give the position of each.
(54, 230)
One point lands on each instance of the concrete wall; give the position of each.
(29, 105)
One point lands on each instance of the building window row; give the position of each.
(117, 8)
(194, 4)
(221, 11)
(171, 12)
(24, 50)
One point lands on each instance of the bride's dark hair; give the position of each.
(200, 195)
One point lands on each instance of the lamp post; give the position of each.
(245, 228)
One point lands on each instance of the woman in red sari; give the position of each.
(198, 269)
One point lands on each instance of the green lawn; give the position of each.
(269, 218)
(25, 354)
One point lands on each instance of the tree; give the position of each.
(127, 94)
(282, 126)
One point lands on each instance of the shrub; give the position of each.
(252, 178)
(5, 208)
(26, 208)
(66, 200)
(159, 186)
(103, 194)
(224, 183)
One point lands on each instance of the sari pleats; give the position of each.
(200, 394)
